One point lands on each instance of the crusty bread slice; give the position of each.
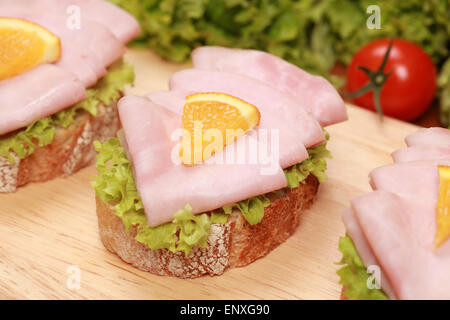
(233, 244)
(70, 150)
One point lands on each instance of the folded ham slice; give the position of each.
(421, 153)
(166, 186)
(418, 180)
(36, 94)
(290, 149)
(172, 100)
(87, 68)
(429, 137)
(401, 234)
(313, 92)
(118, 21)
(271, 102)
(86, 51)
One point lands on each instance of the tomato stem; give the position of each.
(376, 81)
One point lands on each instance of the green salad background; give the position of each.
(316, 35)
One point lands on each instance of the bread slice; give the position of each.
(234, 244)
(70, 150)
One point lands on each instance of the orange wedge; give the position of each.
(443, 207)
(212, 120)
(25, 45)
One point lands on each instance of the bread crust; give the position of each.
(70, 150)
(233, 244)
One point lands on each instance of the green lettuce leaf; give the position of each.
(41, 132)
(194, 229)
(354, 274)
(252, 209)
(315, 164)
(219, 217)
(23, 143)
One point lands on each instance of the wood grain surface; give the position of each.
(48, 230)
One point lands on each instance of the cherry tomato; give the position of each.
(411, 87)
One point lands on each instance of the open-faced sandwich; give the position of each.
(214, 173)
(61, 75)
(397, 244)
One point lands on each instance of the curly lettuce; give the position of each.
(354, 274)
(316, 165)
(41, 132)
(252, 209)
(115, 184)
(23, 143)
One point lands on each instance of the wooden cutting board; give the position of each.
(48, 231)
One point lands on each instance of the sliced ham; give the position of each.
(313, 92)
(271, 102)
(401, 235)
(417, 180)
(291, 150)
(394, 226)
(87, 69)
(421, 152)
(86, 51)
(36, 94)
(172, 100)
(429, 137)
(118, 21)
(122, 24)
(165, 186)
